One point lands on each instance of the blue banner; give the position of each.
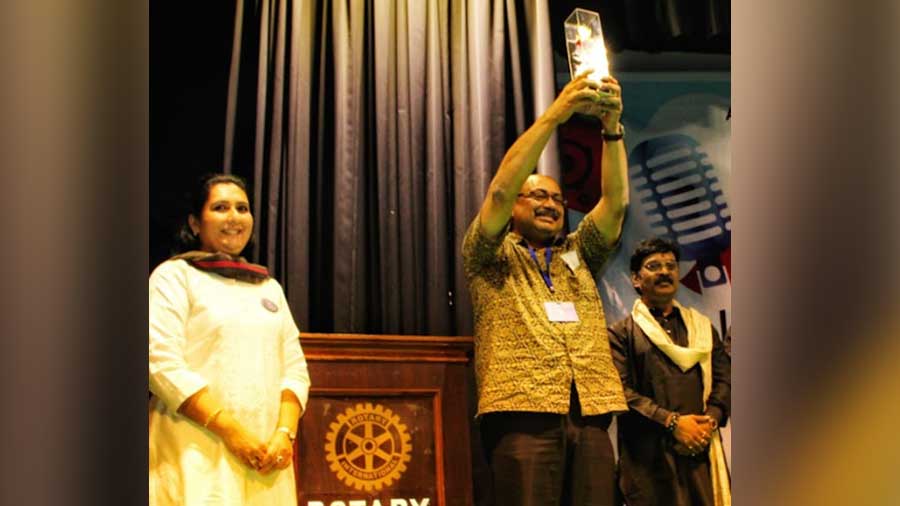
(679, 157)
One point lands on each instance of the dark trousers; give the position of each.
(544, 459)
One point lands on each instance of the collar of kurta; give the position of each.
(223, 264)
(662, 318)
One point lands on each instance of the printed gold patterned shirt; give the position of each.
(524, 361)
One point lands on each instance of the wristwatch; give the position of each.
(291, 435)
(613, 137)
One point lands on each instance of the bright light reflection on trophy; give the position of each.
(584, 43)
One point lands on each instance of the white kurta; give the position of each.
(240, 340)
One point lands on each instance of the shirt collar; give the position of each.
(518, 239)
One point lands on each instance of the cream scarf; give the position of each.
(699, 350)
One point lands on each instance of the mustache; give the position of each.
(547, 211)
(664, 278)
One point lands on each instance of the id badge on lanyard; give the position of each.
(557, 311)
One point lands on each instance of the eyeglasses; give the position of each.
(542, 195)
(656, 266)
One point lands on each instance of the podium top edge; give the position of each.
(386, 338)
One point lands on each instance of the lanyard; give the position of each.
(544, 274)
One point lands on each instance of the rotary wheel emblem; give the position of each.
(368, 447)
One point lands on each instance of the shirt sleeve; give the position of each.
(719, 403)
(170, 377)
(296, 373)
(595, 247)
(478, 249)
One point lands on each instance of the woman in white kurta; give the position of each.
(228, 376)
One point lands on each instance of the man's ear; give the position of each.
(636, 281)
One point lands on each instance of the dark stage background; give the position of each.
(190, 54)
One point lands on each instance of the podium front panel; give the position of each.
(375, 429)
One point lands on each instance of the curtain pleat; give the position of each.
(272, 214)
(348, 281)
(233, 74)
(411, 79)
(259, 148)
(543, 77)
(295, 246)
(516, 67)
(385, 84)
(322, 181)
(438, 256)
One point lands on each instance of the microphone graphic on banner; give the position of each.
(681, 198)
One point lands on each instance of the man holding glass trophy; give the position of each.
(547, 385)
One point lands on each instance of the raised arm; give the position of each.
(580, 95)
(609, 212)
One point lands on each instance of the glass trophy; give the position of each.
(584, 43)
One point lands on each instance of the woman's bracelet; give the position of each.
(673, 423)
(290, 434)
(212, 417)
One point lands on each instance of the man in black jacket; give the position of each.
(677, 381)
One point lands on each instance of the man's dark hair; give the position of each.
(196, 199)
(649, 247)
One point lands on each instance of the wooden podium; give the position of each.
(387, 422)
